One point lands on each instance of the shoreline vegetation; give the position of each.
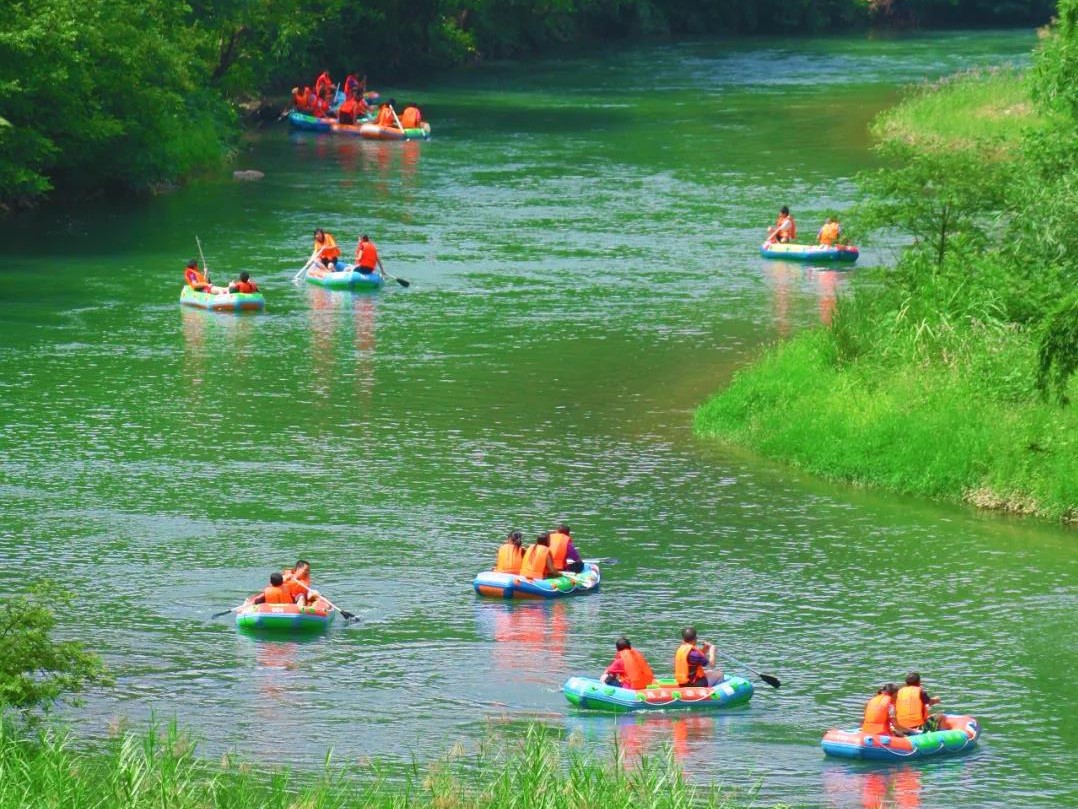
(950, 376)
(535, 769)
(86, 114)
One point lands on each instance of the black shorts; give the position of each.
(365, 270)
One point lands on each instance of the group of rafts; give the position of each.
(552, 568)
(322, 269)
(348, 108)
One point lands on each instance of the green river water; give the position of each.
(581, 239)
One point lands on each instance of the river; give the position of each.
(581, 240)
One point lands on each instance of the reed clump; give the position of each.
(159, 769)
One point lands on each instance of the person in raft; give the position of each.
(629, 669)
(326, 251)
(367, 256)
(830, 231)
(354, 108)
(297, 581)
(880, 716)
(243, 284)
(785, 229)
(510, 554)
(387, 117)
(197, 281)
(911, 706)
(690, 661)
(323, 87)
(566, 556)
(411, 117)
(538, 561)
(354, 87)
(275, 593)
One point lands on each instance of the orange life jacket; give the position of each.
(877, 715)
(510, 557)
(328, 249)
(367, 255)
(788, 232)
(685, 672)
(829, 233)
(410, 118)
(299, 100)
(194, 278)
(534, 564)
(245, 286)
(910, 710)
(277, 595)
(385, 116)
(323, 83)
(559, 548)
(638, 673)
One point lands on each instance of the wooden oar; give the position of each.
(348, 616)
(770, 679)
(610, 560)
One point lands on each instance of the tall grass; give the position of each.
(965, 431)
(963, 110)
(152, 770)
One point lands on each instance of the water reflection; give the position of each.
(791, 280)
(890, 788)
(333, 315)
(204, 335)
(529, 638)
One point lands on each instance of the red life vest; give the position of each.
(386, 117)
(411, 118)
(245, 286)
(327, 249)
(277, 595)
(877, 715)
(367, 255)
(559, 548)
(638, 673)
(194, 278)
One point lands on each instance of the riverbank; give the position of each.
(535, 768)
(949, 376)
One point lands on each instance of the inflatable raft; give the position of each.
(309, 123)
(223, 301)
(662, 695)
(809, 252)
(956, 733)
(375, 132)
(509, 585)
(284, 618)
(348, 278)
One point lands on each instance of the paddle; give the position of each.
(226, 612)
(610, 560)
(400, 281)
(303, 270)
(770, 679)
(400, 126)
(203, 257)
(348, 616)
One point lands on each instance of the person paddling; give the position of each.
(690, 661)
(297, 582)
(630, 669)
(326, 250)
(911, 706)
(829, 232)
(566, 556)
(367, 256)
(510, 554)
(197, 281)
(243, 284)
(785, 228)
(275, 593)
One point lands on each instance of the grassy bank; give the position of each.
(928, 430)
(950, 375)
(162, 771)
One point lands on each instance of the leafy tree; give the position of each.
(35, 669)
